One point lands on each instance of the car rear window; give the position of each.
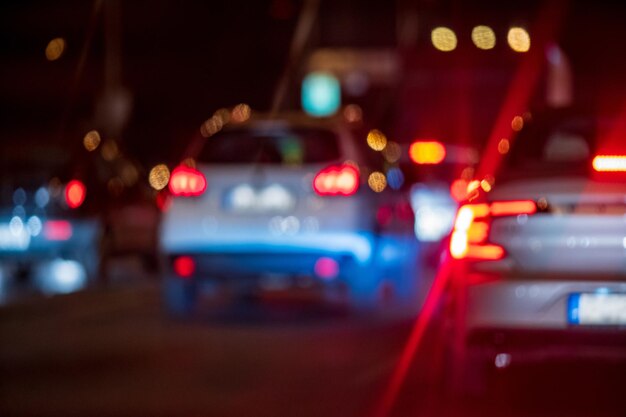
(293, 146)
(550, 148)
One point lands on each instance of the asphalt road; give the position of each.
(114, 353)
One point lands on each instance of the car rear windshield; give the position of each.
(285, 146)
(551, 148)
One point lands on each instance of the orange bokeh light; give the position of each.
(427, 152)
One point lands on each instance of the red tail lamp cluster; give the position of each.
(609, 163)
(75, 192)
(337, 180)
(187, 182)
(472, 225)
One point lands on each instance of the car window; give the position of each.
(549, 148)
(277, 146)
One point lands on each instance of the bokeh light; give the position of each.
(55, 49)
(517, 123)
(159, 177)
(392, 152)
(518, 39)
(240, 113)
(395, 178)
(321, 94)
(109, 150)
(427, 152)
(222, 114)
(377, 181)
(444, 39)
(353, 113)
(376, 140)
(483, 37)
(503, 146)
(91, 141)
(211, 126)
(458, 189)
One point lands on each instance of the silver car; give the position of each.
(538, 261)
(284, 203)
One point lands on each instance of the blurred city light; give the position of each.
(55, 49)
(610, 163)
(395, 178)
(223, 114)
(392, 152)
(109, 150)
(503, 146)
(427, 152)
(377, 181)
(444, 39)
(211, 126)
(458, 189)
(519, 39)
(353, 113)
(376, 140)
(326, 268)
(240, 113)
(159, 176)
(517, 123)
(75, 192)
(91, 141)
(485, 185)
(483, 37)
(321, 94)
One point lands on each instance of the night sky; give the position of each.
(181, 61)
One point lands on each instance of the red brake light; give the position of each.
(471, 228)
(187, 182)
(609, 163)
(57, 230)
(75, 192)
(184, 266)
(337, 180)
(427, 152)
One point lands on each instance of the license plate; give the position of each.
(597, 309)
(14, 238)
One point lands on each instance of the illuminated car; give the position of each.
(49, 232)
(285, 203)
(538, 264)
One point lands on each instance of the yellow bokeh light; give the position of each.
(223, 114)
(443, 39)
(159, 177)
(55, 49)
(376, 140)
(377, 181)
(519, 39)
(240, 113)
(91, 141)
(517, 123)
(211, 126)
(503, 146)
(392, 152)
(483, 37)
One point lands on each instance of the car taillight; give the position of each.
(75, 192)
(470, 234)
(427, 152)
(187, 182)
(337, 180)
(57, 230)
(609, 163)
(184, 266)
